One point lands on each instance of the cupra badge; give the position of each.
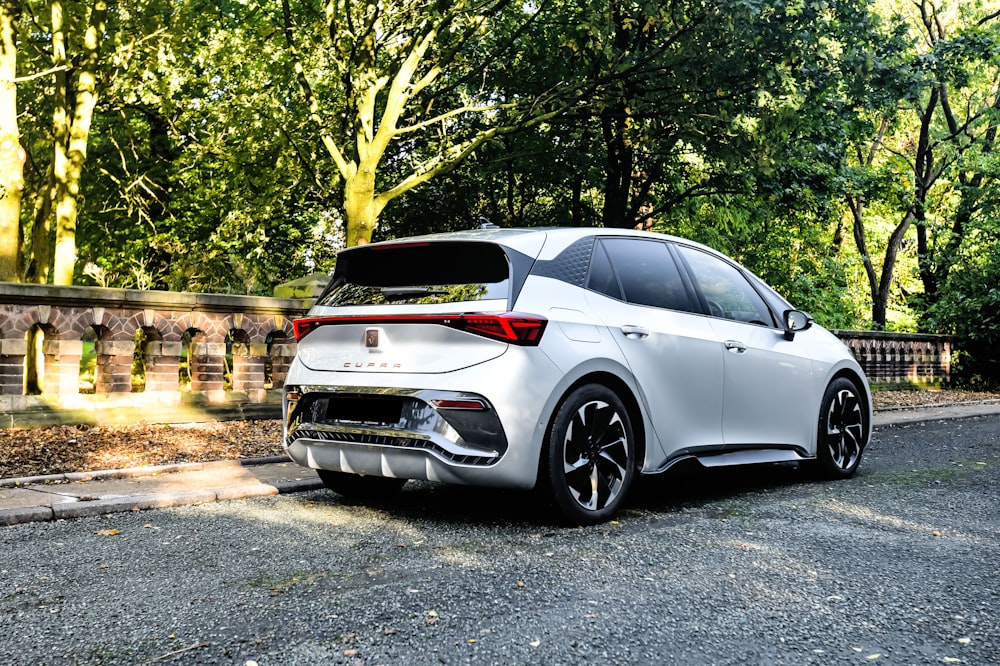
(371, 338)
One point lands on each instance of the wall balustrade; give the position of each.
(148, 350)
(145, 353)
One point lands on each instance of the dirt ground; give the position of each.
(83, 448)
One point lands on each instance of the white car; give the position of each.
(570, 359)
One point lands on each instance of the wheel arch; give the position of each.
(856, 377)
(624, 393)
(863, 390)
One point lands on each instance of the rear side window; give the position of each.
(647, 273)
(441, 272)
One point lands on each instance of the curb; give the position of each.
(131, 472)
(100, 507)
(84, 507)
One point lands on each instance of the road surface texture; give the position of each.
(900, 565)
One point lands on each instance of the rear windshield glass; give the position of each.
(442, 272)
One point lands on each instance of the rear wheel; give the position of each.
(360, 487)
(589, 459)
(843, 430)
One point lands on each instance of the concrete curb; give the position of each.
(72, 508)
(75, 505)
(132, 472)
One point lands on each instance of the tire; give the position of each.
(589, 457)
(354, 486)
(843, 430)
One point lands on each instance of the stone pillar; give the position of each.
(12, 353)
(114, 366)
(207, 366)
(163, 360)
(61, 375)
(281, 358)
(248, 368)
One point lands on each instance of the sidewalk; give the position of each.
(80, 494)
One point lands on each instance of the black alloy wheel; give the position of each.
(590, 455)
(843, 430)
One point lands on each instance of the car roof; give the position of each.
(528, 239)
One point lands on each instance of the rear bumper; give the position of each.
(428, 433)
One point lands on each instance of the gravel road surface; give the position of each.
(900, 565)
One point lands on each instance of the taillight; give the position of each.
(303, 327)
(512, 327)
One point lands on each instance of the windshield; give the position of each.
(426, 273)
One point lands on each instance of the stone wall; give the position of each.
(43, 328)
(901, 360)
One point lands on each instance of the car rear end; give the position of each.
(413, 365)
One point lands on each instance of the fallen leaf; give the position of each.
(107, 532)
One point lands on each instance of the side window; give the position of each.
(647, 273)
(602, 277)
(727, 291)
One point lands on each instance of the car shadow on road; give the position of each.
(685, 486)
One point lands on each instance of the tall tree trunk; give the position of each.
(879, 284)
(70, 156)
(11, 153)
(618, 167)
(361, 206)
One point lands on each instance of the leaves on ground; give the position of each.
(60, 449)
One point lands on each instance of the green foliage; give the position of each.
(970, 309)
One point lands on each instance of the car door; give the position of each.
(640, 295)
(767, 386)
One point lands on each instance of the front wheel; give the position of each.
(354, 486)
(589, 458)
(843, 430)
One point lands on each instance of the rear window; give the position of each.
(441, 272)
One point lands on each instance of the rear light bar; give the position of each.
(512, 327)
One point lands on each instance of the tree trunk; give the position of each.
(618, 167)
(361, 207)
(71, 156)
(11, 153)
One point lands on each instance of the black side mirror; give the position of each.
(795, 321)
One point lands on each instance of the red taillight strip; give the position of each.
(476, 405)
(512, 327)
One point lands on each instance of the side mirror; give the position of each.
(795, 321)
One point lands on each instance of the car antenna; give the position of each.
(484, 223)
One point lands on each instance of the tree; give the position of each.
(11, 153)
(917, 151)
(389, 59)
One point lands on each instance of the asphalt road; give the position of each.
(900, 565)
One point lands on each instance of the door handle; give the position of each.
(736, 346)
(635, 332)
